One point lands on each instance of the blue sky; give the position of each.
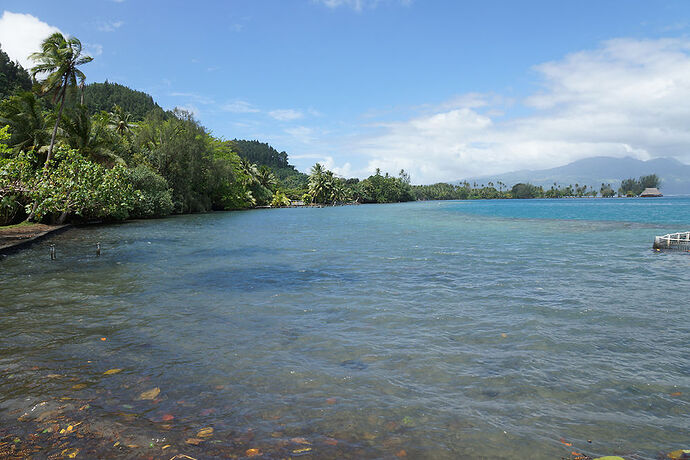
(444, 89)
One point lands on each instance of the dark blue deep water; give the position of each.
(459, 329)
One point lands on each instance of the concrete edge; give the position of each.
(23, 244)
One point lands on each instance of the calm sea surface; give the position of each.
(458, 329)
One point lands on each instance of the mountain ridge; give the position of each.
(593, 171)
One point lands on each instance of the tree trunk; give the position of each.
(57, 123)
(61, 219)
(52, 144)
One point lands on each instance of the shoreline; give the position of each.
(17, 237)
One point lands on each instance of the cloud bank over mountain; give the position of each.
(626, 98)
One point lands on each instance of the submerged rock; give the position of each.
(354, 364)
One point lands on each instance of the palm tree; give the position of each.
(317, 170)
(58, 61)
(250, 171)
(89, 135)
(24, 114)
(338, 193)
(120, 121)
(266, 178)
(319, 184)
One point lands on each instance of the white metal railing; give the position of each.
(673, 240)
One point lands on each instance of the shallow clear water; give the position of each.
(460, 329)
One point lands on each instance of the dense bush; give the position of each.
(70, 185)
(74, 185)
(152, 196)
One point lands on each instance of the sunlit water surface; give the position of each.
(461, 329)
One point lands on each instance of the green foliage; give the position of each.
(522, 191)
(440, 191)
(100, 97)
(120, 121)
(70, 185)
(13, 77)
(90, 135)
(59, 60)
(75, 185)
(4, 136)
(387, 189)
(152, 196)
(176, 149)
(280, 200)
(227, 181)
(261, 153)
(267, 158)
(633, 187)
(204, 173)
(324, 187)
(10, 204)
(24, 114)
(650, 181)
(606, 191)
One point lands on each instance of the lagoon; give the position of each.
(458, 329)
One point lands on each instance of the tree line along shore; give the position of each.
(72, 152)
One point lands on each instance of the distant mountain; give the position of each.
(675, 176)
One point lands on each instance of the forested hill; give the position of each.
(102, 96)
(13, 77)
(261, 153)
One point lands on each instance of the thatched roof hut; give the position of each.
(651, 192)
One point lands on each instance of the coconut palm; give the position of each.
(89, 135)
(338, 192)
(324, 186)
(250, 171)
(317, 170)
(266, 178)
(58, 63)
(24, 114)
(120, 121)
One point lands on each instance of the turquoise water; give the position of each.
(460, 329)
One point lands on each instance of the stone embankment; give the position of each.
(16, 237)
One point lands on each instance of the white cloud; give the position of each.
(301, 134)
(626, 98)
(359, 5)
(195, 97)
(109, 26)
(285, 114)
(92, 49)
(194, 110)
(21, 35)
(239, 107)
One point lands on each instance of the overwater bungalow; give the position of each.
(651, 192)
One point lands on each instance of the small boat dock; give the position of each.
(680, 241)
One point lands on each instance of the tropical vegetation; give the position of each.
(634, 187)
(102, 151)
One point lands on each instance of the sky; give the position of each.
(445, 89)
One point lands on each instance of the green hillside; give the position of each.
(102, 96)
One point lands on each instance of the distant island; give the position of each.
(594, 171)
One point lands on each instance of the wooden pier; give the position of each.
(679, 241)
